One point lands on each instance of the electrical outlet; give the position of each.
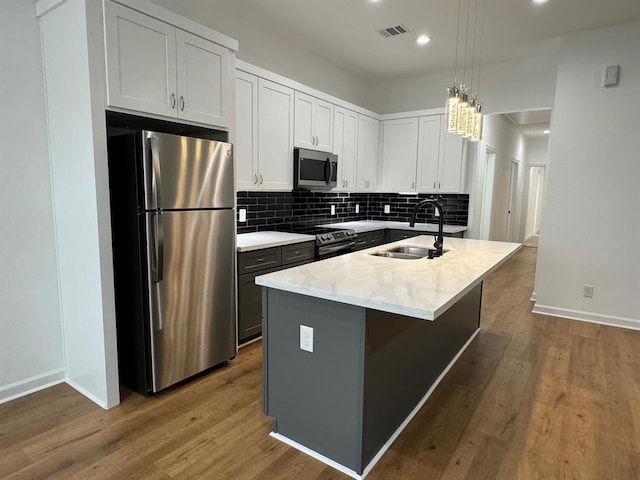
(588, 291)
(387, 209)
(333, 209)
(357, 208)
(306, 338)
(242, 214)
(436, 212)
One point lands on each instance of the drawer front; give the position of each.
(259, 260)
(376, 238)
(298, 252)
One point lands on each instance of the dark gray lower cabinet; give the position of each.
(369, 239)
(260, 262)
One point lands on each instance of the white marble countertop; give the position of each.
(423, 288)
(371, 225)
(246, 242)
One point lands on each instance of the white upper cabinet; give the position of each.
(156, 68)
(204, 70)
(451, 161)
(246, 145)
(275, 136)
(345, 145)
(399, 154)
(313, 123)
(428, 153)
(418, 156)
(367, 155)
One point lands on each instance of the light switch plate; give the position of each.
(357, 208)
(242, 213)
(611, 76)
(387, 209)
(333, 209)
(306, 338)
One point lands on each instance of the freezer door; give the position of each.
(185, 172)
(191, 258)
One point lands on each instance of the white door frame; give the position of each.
(487, 193)
(512, 200)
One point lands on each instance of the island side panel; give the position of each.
(315, 398)
(403, 358)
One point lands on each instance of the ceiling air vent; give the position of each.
(393, 31)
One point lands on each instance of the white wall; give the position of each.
(31, 353)
(591, 224)
(502, 137)
(538, 151)
(264, 44)
(528, 84)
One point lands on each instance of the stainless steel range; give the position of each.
(331, 242)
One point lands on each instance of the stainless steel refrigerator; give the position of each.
(173, 224)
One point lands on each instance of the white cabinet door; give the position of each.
(246, 145)
(275, 136)
(304, 137)
(323, 125)
(367, 156)
(428, 153)
(313, 123)
(345, 142)
(450, 162)
(399, 154)
(203, 80)
(141, 61)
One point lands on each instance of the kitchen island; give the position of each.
(354, 345)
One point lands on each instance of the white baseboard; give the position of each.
(31, 385)
(633, 324)
(534, 296)
(385, 447)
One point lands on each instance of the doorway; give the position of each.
(535, 200)
(487, 194)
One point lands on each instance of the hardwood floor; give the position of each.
(533, 397)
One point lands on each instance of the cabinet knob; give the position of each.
(172, 99)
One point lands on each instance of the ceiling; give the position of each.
(345, 31)
(532, 123)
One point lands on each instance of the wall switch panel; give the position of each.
(357, 208)
(306, 338)
(387, 209)
(588, 291)
(242, 213)
(611, 76)
(333, 209)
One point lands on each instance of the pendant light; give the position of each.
(463, 111)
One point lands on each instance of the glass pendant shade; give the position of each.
(471, 116)
(463, 110)
(451, 109)
(477, 125)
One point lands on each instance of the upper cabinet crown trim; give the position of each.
(300, 87)
(178, 21)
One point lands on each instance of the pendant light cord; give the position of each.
(455, 65)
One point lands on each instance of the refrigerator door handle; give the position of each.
(157, 247)
(156, 176)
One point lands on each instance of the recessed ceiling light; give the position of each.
(423, 39)
(540, 2)
(546, 132)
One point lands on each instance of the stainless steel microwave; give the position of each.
(314, 170)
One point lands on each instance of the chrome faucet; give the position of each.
(439, 240)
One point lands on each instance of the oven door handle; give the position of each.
(337, 248)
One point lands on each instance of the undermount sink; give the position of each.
(407, 252)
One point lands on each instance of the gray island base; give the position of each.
(369, 373)
(380, 334)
